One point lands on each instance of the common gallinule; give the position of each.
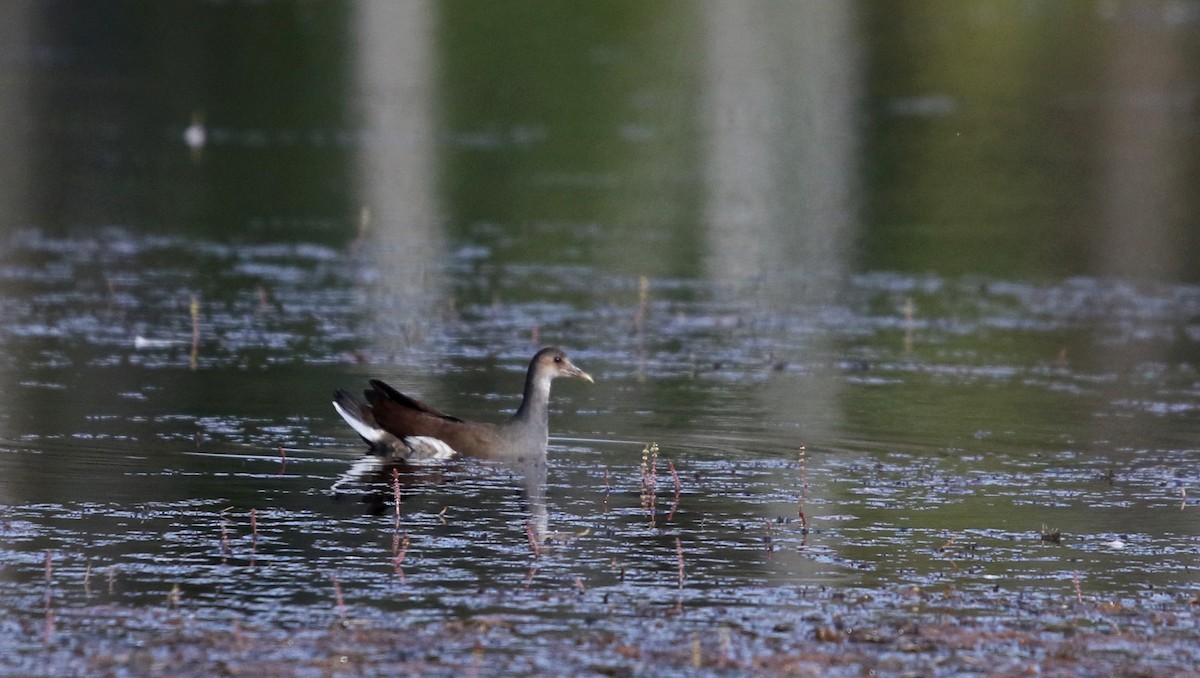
(398, 426)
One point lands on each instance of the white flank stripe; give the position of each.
(427, 449)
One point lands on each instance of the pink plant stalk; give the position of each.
(675, 502)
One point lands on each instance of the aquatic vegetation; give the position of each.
(967, 491)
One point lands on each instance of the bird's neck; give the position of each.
(535, 405)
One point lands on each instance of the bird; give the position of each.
(399, 427)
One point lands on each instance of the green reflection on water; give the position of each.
(571, 132)
(1040, 140)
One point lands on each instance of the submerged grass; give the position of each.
(913, 548)
(694, 592)
(844, 633)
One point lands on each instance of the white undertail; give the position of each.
(370, 433)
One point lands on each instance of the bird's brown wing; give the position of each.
(382, 394)
(403, 416)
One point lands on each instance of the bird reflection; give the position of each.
(377, 480)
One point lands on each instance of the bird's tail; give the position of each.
(415, 450)
(359, 417)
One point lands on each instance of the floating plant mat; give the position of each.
(896, 471)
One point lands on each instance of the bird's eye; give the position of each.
(558, 359)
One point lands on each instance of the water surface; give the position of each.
(904, 302)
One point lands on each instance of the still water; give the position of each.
(902, 301)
